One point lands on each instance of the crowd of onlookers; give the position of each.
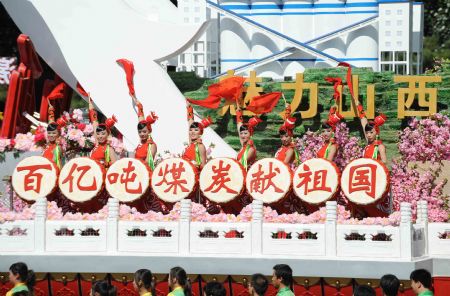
(23, 280)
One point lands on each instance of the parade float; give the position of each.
(76, 219)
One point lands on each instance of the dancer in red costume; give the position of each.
(146, 150)
(196, 151)
(375, 148)
(53, 150)
(330, 147)
(102, 151)
(247, 154)
(287, 152)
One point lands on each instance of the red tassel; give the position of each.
(57, 92)
(81, 90)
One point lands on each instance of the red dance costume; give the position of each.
(322, 151)
(98, 153)
(142, 150)
(370, 149)
(241, 153)
(282, 151)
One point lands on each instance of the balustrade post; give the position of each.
(257, 227)
(406, 230)
(184, 229)
(330, 229)
(40, 219)
(112, 225)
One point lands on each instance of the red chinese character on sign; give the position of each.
(260, 182)
(175, 172)
(220, 178)
(128, 176)
(363, 178)
(32, 180)
(83, 169)
(318, 183)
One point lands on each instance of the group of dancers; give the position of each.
(196, 153)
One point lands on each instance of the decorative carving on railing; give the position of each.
(234, 234)
(64, 231)
(381, 237)
(208, 234)
(444, 235)
(307, 235)
(136, 232)
(89, 231)
(162, 233)
(281, 234)
(354, 236)
(16, 231)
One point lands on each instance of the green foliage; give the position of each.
(186, 81)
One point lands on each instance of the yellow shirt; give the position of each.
(17, 288)
(147, 294)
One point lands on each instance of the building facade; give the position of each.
(279, 38)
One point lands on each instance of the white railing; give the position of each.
(256, 238)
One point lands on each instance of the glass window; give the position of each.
(399, 43)
(414, 57)
(400, 69)
(388, 12)
(400, 56)
(197, 20)
(387, 33)
(386, 56)
(399, 12)
(182, 58)
(399, 33)
(399, 22)
(387, 44)
(199, 46)
(386, 67)
(387, 23)
(415, 69)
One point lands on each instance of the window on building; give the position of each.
(197, 20)
(399, 43)
(386, 56)
(386, 67)
(399, 12)
(415, 69)
(387, 44)
(387, 23)
(182, 58)
(400, 69)
(399, 33)
(400, 56)
(213, 71)
(387, 33)
(388, 12)
(399, 22)
(414, 57)
(199, 46)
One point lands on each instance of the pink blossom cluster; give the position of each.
(24, 142)
(426, 139)
(6, 144)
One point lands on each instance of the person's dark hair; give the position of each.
(26, 275)
(282, 132)
(141, 125)
(369, 127)
(21, 293)
(390, 284)
(180, 274)
(215, 289)
(284, 271)
(243, 128)
(51, 127)
(101, 128)
(103, 288)
(325, 125)
(195, 124)
(423, 276)
(259, 283)
(144, 278)
(363, 290)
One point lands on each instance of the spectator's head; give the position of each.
(103, 288)
(214, 289)
(258, 285)
(420, 280)
(282, 276)
(143, 281)
(363, 290)
(19, 273)
(178, 278)
(389, 283)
